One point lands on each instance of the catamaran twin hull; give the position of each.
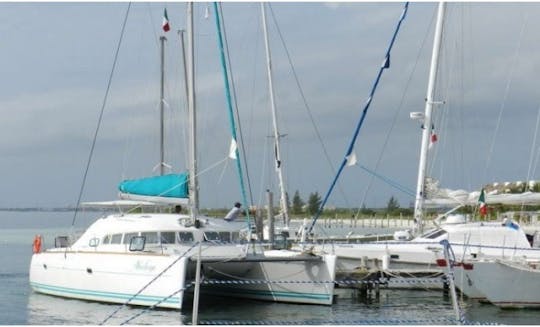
(278, 276)
(119, 278)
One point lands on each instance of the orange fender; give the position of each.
(36, 247)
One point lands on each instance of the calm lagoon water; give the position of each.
(21, 306)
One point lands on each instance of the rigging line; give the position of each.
(156, 38)
(151, 281)
(466, 173)
(440, 117)
(183, 100)
(252, 101)
(235, 102)
(532, 155)
(390, 182)
(457, 66)
(385, 65)
(200, 172)
(306, 105)
(263, 171)
(230, 111)
(505, 95)
(394, 121)
(90, 155)
(145, 310)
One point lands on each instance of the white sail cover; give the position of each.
(436, 197)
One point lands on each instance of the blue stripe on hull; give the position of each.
(272, 295)
(104, 296)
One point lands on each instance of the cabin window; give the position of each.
(128, 237)
(436, 234)
(106, 239)
(137, 243)
(211, 236)
(94, 242)
(185, 237)
(116, 239)
(151, 237)
(235, 236)
(61, 242)
(167, 237)
(225, 236)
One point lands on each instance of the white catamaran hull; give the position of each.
(281, 276)
(110, 277)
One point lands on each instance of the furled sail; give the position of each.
(172, 188)
(507, 193)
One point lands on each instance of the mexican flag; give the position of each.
(165, 25)
(482, 203)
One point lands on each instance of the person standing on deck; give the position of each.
(234, 212)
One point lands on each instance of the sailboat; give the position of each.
(153, 259)
(417, 251)
(510, 283)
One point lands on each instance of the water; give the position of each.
(21, 306)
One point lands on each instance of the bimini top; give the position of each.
(173, 187)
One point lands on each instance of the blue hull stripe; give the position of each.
(81, 293)
(115, 297)
(270, 293)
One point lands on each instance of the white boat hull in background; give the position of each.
(464, 280)
(508, 284)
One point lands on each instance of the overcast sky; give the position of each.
(56, 58)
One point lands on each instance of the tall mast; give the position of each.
(161, 109)
(193, 187)
(184, 64)
(426, 132)
(283, 200)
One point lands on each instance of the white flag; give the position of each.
(232, 149)
(351, 159)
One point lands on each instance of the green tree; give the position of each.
(392, 206)
(366, 211)
(314, 202)
(297, 203)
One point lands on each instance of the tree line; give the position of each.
(299, 206)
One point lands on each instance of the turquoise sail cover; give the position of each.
(170, 186)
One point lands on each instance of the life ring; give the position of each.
(36, 247)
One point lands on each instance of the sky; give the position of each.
(56, 60)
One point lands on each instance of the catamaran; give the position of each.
(154, 258)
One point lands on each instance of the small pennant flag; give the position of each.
(165, 25)
(482, 203)
(432, 140)
(386, 63)
(351, 159)
(232, 149)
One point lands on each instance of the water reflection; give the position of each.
(51, 310)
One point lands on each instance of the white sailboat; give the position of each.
(420, 254)
(150, 259)
(507, 283)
